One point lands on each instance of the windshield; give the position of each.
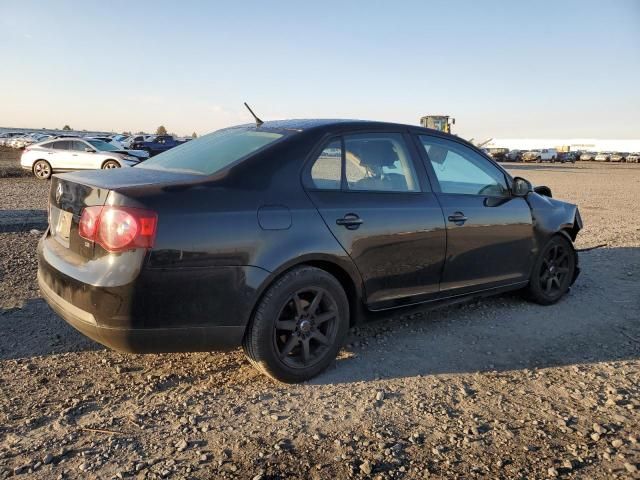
(213, 152)
(104, 146)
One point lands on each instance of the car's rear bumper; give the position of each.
(143, 340)
(164, 310)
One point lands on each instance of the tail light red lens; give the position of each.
(118, 228)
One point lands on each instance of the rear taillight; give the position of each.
(118, 228)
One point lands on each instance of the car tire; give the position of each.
(538, 160)
(42, 170)
(109, 164)
(298, 326)
(553, 271)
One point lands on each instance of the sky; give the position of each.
(552, 69)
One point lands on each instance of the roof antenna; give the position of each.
(258, 121)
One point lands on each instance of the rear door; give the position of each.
(61, 158)
(376, 200)
(489, 231)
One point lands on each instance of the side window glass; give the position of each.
(61, 145)
(325, 172)
(79, 146)
(379, 162)
(461, 170)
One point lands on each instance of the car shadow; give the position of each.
(596, 322)
(22, 220)
(34, 330)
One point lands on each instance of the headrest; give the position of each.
(376, 153)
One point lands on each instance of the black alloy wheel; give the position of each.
(553, 272)
(299, 325)
(306, 327)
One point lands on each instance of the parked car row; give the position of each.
(553, 155)
(21, 139)
(152, 144)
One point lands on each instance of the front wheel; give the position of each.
(299, 325)
(109, 164)
(553, 271)
(42, 170)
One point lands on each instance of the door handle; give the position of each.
(458, 218)
(350, 220)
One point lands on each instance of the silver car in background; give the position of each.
(67, 154)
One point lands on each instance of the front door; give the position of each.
(379, 206)
(489, 231)
(82, 158)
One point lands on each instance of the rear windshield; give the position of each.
(213, 152)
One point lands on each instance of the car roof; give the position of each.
(337, 126)
(304, 124)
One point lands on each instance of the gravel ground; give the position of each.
(24, 193)
(498, 388)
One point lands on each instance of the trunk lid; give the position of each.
(70, 193)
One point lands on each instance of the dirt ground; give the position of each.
(498, 388)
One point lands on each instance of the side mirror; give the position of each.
(521, 187)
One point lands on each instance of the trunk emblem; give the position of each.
(59, 193)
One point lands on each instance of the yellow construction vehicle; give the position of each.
(438, 122)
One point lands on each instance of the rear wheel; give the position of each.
(109, 164)
(553, 271)
(299, 325)
(42, 169)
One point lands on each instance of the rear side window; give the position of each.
(48, 145)
(62, 145)
(326, 170)
(379, 162)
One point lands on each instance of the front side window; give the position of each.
(460, 170)
(213, 152)
(379, 162)
(326, 170)
(79, 146)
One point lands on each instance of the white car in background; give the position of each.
(6, 137)
(67, 154)
(603, 157)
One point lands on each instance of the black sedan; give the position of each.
(280, 236)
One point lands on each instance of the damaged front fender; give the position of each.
(554, 217)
